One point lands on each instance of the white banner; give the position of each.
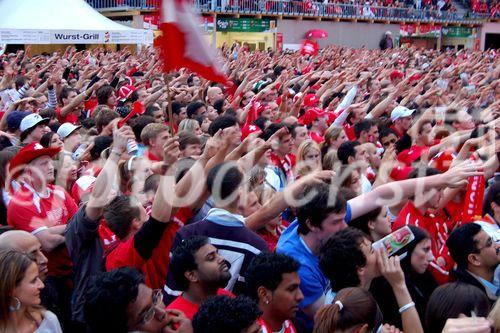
(75, 37)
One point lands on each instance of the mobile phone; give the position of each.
(395, 241)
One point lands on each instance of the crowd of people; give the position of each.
(137, 201)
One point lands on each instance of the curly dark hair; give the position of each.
(318, 207)
(341, 256)
(108, 296)
(183, 260)
(267, 270)
(223, 314)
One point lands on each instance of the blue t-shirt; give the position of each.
(313, 283)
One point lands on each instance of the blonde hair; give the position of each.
(331, 133)
(304, 168)
(331, 161)
(188, 125)
(494, 315)
(151, 131)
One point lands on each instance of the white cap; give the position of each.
(66, 129)
(401, 112)
(31, 120)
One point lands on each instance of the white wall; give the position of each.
(490, 28)
(340, 33)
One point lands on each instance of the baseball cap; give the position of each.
(14, 119)
(311, 115)
(401, 112)
(400, 172)
(29, 153)
(408, 156)
(32, 120)
(310, 100)
(125, 91)
(66, 129)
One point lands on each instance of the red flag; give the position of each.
(474, 197)
(182, 44)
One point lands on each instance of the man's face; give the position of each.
(301, 134)
(211, 267)
(202, 110)
(286, 144)
(147, 313)
(31, 245)
(361, 154)
(192, 150)
(488, 251)
(373, 134)
(249, 204)
(72, 141)
(158, 115)
(389, 141)
(215, 94)
(331, 225)
(158, 142)
(71, 96)
(182, 115)
(321, 123)
(272, 95)
(287, 296)
(427, 135)
(370, 269)
(405, 122)
(38, 132)
(42, 169)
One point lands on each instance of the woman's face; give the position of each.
(205, 125)
(197, 129)
(28, 290)
(56, 141)
(335, 144)
(355, 182)
(422, 256)
(68, 171)
(313, 158)
(211, 113)
(381, 225)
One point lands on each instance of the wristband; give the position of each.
(406, 307)
(116, 151)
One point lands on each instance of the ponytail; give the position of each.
(351, 307)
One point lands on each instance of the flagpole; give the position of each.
(169, 105)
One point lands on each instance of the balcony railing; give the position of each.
(300, 8)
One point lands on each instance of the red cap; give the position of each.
(400, 172)
(311, 100)
(125, 91)
(408, 156)
(28, 154)
(442, 161)
(249, 129)
(311, 115)
(396, 75)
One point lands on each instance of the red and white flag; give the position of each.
(182, 44)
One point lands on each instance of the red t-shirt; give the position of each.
(349, 132)
(69, 118)
(189, 308)
(316, 137)
(436, 225)
(124, 254)
(30, 212)
(286, 164)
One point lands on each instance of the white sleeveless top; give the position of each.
(50, 324)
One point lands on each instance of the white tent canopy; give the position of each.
(62, 22)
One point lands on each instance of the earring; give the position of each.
(267, 301)
(17, 306)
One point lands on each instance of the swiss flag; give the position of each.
(182, 45)
(309, 47)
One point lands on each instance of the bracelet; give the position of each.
(406, 307)
(116, 151)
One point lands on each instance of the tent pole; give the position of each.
(169, 105)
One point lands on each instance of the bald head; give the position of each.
(25, 242)
(214, 94)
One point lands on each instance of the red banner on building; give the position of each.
(279, 41)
